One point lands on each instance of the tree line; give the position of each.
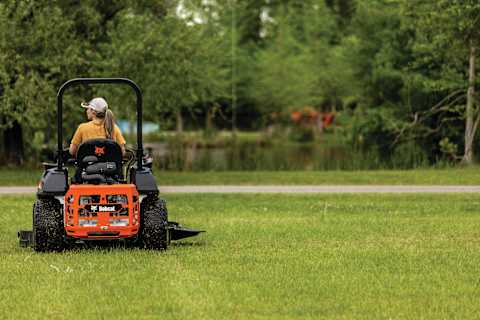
(402, 73)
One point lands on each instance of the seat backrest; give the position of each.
(104, 149)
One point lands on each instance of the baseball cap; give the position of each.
(97, 104)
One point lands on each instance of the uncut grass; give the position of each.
(264, 256)
(452, 176)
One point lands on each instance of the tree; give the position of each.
(447, 38)
(35, 46)
(42, 44)
(299, 65)
(175, 63)
(344, 11)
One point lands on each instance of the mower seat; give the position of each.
(107, 168)
(99, 161)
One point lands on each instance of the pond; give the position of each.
(252, 156)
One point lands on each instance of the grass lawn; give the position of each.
(264, 256)
(457, 176)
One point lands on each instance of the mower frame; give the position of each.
(76, 81)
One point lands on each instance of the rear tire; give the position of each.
(154, 234)
(48, 230)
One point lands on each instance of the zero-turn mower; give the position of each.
(108, 197)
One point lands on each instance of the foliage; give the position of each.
(446, 35)
(374, 129)
(298, 48)
(403, 65)
(177, 65)
(42, 45)
(36, 46)
(301, 134)
(449, 149)
(443, 31)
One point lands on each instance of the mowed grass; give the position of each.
(263, 257)
(452, 176)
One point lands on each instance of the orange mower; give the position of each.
(108, 197)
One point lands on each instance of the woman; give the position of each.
(101, 126)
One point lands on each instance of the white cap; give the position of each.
(97, 104)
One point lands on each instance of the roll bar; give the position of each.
(76, 81)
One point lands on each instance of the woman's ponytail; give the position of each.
(109, 124)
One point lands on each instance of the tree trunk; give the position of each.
(469, 116)
(209, 120)
(13, 144)
(179, 122)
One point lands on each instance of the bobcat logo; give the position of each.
(99, 151)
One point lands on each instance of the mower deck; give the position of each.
(175, 230)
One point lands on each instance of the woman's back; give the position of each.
(95, 130)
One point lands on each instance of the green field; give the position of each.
(264, 257)
(457, 176)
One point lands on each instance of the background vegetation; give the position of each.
(399, 75)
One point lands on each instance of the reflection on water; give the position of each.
(251, 156)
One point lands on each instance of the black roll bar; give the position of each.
(75, 81)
